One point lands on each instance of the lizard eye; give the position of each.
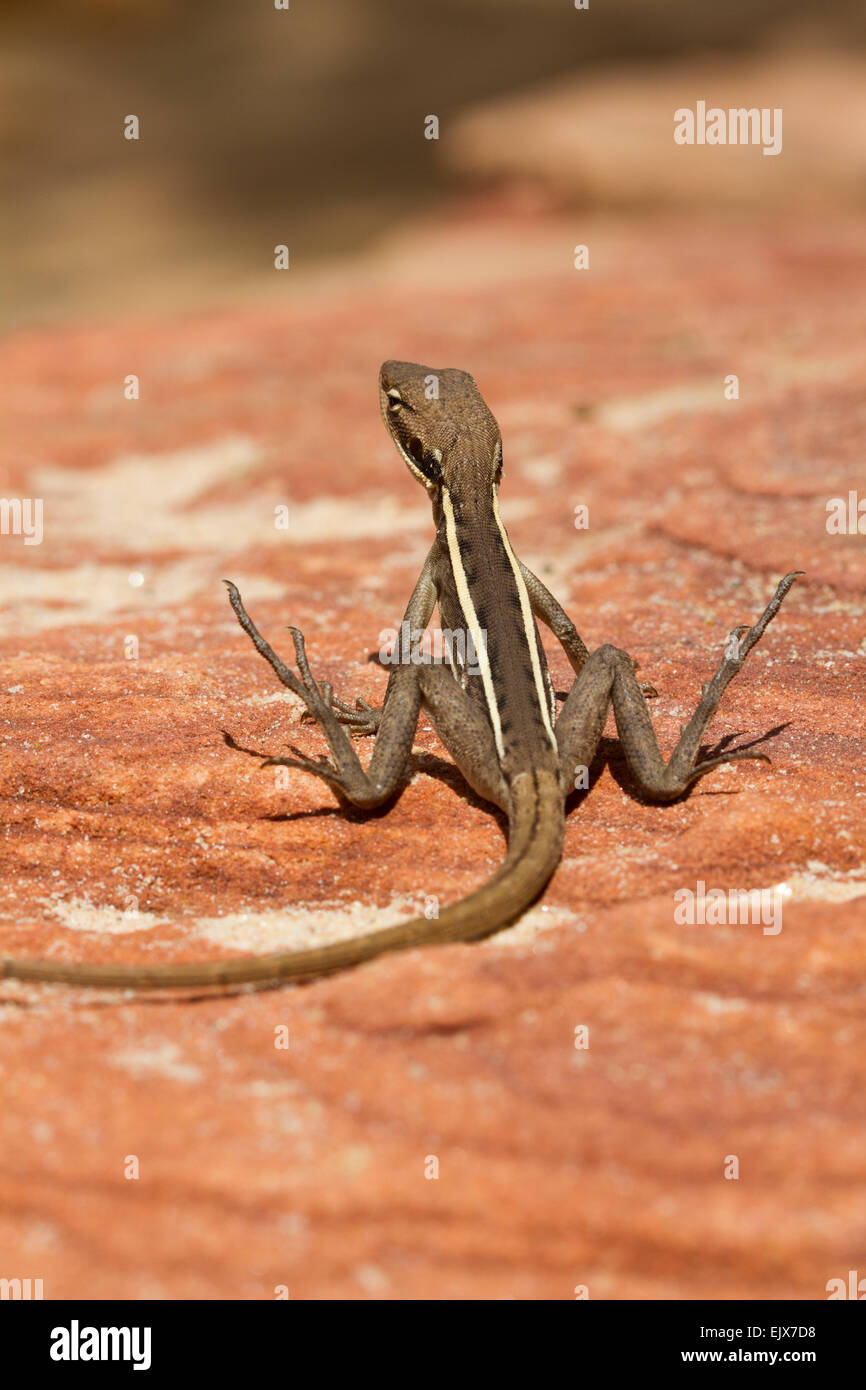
(395, 400)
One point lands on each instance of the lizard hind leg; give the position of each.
(464, 728)
(609, 676)
(667, 781)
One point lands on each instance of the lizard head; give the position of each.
(442, 428)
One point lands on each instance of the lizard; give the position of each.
(492, 705)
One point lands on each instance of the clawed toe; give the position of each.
(319, 768)
(734, 652)
(736, 757)
(360, 717)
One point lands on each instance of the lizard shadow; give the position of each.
(428, 763)
(609, 754)
(345, 809)
(626, 780)
(449, 774)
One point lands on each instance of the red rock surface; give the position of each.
(132, 831)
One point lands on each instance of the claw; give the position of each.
(322, 769)
(734, 757)
(732, 650)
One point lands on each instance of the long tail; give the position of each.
(535, 835)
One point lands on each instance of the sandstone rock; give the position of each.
(133, 831)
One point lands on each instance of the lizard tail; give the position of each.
(535, 833)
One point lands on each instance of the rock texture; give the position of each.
(132, 830)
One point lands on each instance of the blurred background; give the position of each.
(305, 126)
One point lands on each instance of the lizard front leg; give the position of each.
(363, 718)
(608, 676)
(464, 728)
(396, 722)
(551, 612)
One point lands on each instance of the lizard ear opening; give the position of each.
(427, 464)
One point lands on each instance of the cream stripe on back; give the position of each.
(528, 623)
(471, 620)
